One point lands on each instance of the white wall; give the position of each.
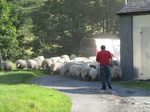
(140, 26)
(141, 21)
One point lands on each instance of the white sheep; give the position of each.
(85, 71)
(21, 64)
(38, 61)
(72, 56)
(72, 70)
(116, 72)
(75, 70)
(92, 58)
(65, 67)
(93, 73)
(87, 62)
(116, 63)
(78, 70)
(80, 59)
(55, 67)
(6, 65)
(41, 58)
(65, 58)
(55, 59)
(32, 64)
(46, 63)
(94, 65)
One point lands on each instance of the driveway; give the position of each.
(87, 97)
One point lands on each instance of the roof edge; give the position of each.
(133, 13)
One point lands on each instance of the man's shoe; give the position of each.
(103, 88)
(109, 86)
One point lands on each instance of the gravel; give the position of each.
(86, 96)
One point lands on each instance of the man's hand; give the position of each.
(111, 65)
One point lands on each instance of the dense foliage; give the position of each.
(8, 41)
(55, 27)
(61, 24)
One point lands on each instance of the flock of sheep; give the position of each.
(73, 66)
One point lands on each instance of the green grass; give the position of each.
(32, 98)
(135, 84)
(17, 95)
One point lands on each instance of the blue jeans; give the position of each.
(105, 74)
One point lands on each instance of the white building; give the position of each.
(135, 40)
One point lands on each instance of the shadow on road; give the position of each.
(69, 85)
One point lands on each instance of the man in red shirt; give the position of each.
(104, 57)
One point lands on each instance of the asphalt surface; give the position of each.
(86, 96)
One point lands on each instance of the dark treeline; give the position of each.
(55, 27)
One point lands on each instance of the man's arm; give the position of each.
(111, 62)
(97, 58)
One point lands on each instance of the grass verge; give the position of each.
(32, 98)
(135, 84)
(17, 95)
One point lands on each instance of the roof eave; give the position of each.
(132, 13)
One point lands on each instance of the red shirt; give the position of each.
(103, 57)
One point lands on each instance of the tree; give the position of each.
(25, 10)
(110, 21)
(61, 24)
(8, 41)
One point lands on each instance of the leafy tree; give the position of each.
(61, 24)
(57, 27)
(110, 22)
(8, 41)
(25, 10)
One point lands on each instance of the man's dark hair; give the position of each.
(103, 47)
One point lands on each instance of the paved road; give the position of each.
(86, 96)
